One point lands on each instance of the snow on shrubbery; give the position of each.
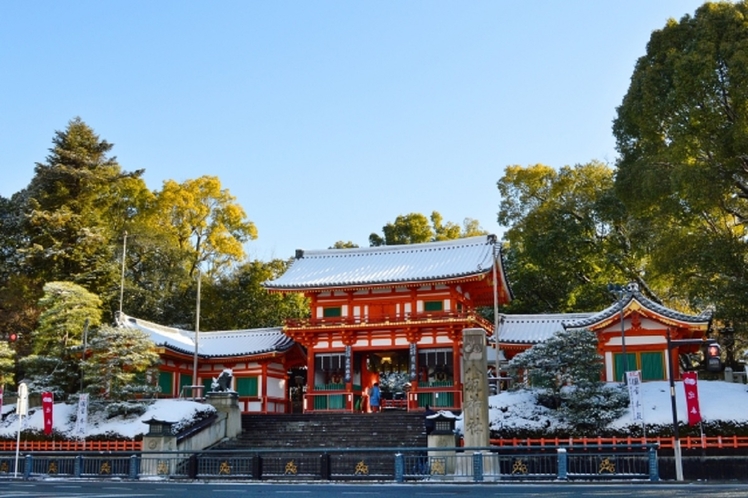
(180, 411)
(722, 404)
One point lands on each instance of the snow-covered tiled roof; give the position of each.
(388, 264)
(533, 329)
(631, 293)
(213, 344)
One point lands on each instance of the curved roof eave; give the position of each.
(633, 295)
(410, 264)
(393, 283)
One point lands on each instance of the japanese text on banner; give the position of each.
(690, 385)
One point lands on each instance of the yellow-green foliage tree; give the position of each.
(7, 363)
(204, 221)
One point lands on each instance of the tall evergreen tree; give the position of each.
(683, 169)
(74, 208)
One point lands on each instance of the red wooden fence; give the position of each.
(72, 446)
(687, 442)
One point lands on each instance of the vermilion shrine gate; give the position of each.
(392, 315)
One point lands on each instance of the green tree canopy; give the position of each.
(70, 207)
(343, 245)
(68, 311)
(682, 135)
(7, 363)
(239, 301)
(567, 238)
(416, 228)
(204, 221)
(118, 359)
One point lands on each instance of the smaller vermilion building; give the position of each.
(634, 319)
(260, 360)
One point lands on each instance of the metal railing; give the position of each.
(347, 464)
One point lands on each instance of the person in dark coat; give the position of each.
(429, 423)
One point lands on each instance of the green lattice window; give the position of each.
(247, 386)
(651, 364)
(166, 383)
(332, 312)
(185, 380)
(433, 306)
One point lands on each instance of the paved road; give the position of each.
(140, 489)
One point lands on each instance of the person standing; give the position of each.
(375, 397)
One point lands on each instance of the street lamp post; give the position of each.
(496, 313)
(676, 436)
(671, 344)
(197, 336)
(122, 279)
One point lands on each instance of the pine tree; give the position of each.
(566, 372)
(67, 310)
(119, 363)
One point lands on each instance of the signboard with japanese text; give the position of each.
(48, 403)
(634, 383)
(81, 421)
(690, 384)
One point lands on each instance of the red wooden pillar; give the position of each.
(309, 381)
(264, 387)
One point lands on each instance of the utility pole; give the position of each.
(197, 336)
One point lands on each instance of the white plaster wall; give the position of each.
(637, 340)
(276, 387)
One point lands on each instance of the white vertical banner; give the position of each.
(22, 405)
(81, 421)
(634, 382)
(22, 409)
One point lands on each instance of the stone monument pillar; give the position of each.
(474, 388)
(475, 399)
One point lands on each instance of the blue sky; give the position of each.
(325, 119)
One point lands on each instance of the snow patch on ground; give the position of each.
(181, 411)
(719, 401)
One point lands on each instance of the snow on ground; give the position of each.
(717, 401)
(181, 411)
(511, 409)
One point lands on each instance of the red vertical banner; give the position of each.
(48, 402)
(690, 384)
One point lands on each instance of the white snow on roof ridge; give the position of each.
(216, 343)
(405, 248)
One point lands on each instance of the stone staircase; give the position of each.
(330, 430)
